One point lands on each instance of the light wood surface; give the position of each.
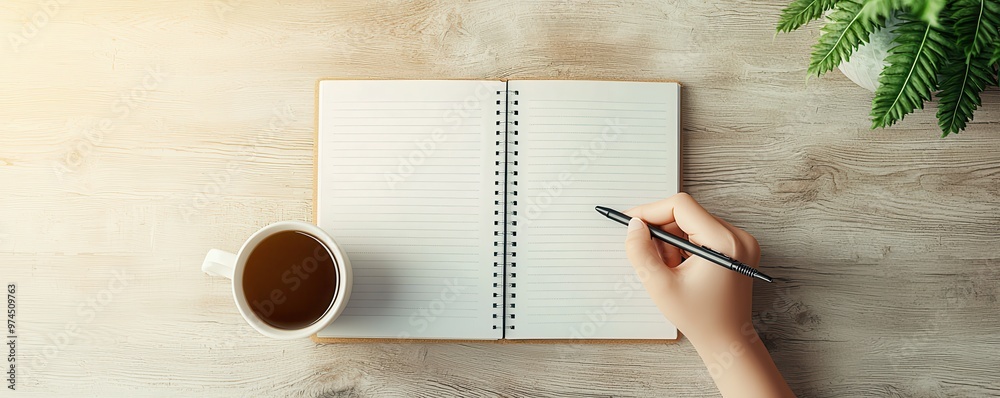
(134, 136)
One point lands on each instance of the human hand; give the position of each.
(706, 302)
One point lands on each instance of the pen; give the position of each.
(700, 251)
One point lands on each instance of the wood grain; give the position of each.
(134, 137)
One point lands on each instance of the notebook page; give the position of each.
(405, 185)
(583, 144)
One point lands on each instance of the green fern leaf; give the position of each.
(800, 12)
(996, 55)
(911, 75)
(975, 24)
(847, 29)
(881, 9)
(926, 10)
(966, 77)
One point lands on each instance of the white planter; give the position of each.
(868, 60)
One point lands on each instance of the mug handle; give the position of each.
(219, 263)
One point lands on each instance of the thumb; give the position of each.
(642, 252)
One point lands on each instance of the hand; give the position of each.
(702, 299)
(708, 303)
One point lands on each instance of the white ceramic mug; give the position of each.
(232, 266)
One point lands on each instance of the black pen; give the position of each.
(700, 251)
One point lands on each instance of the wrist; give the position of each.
(718, 345)
(718, 338)
(740, 365)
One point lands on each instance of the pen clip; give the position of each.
(708, 249)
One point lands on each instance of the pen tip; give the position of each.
(601, 209)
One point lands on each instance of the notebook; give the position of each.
(467, 207)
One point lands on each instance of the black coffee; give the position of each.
(290, 280)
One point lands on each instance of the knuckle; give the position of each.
(684, 197)
(750, 246)
(748, 240)
(753, 244)
(730, 244)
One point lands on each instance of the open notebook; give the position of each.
(467, 207)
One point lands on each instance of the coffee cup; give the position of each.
(290, 279)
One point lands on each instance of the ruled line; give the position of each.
(406, 125)
(593, 125)
(597, 101)
(596, 109)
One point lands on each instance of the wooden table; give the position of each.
(134, 136)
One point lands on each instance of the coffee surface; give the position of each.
(290, 280)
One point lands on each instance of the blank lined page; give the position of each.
(582, 144)
(405, 185)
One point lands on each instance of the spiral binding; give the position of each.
(511, 146)
(505, 209)
(499, 213)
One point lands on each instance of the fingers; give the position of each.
(683, 210)
(674, 229)
(670, 254)
(643, 254)
(751, 249)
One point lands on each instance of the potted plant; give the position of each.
(948, 48)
